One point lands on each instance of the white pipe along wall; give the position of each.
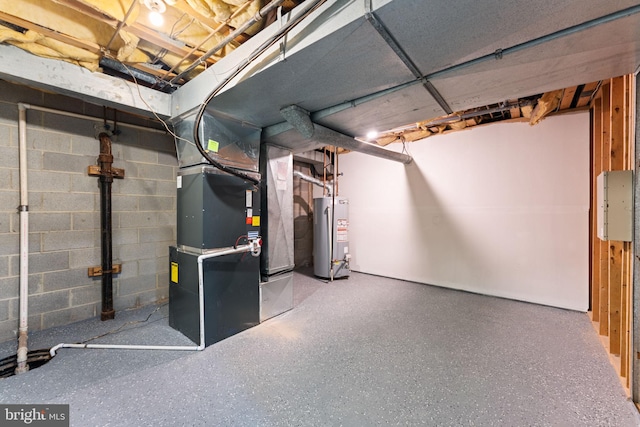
(254, 247)
(23, 329)
(501, 210)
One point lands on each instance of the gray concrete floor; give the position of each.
(357, 352)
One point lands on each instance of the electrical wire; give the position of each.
(132, 322)
(259, 51)
(175, 33)
(164, 124)
(199, 116)
(405, 150)
(244, 236)
(196, 128)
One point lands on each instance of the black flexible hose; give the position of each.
(217, 164)
(263, 47)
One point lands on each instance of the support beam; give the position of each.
(596, 143)
(635, 335)
(616, 163)
(61, 77)
(402, 55)
(604, 246)
(625, 350)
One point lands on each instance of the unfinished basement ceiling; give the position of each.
(388, 65)
(160, 43)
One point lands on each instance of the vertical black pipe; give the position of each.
(106, 178)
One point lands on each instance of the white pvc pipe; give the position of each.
(22, 352)
(85, 117)
(23, 329)
(254, 247)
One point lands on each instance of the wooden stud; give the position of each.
(515, 111)
(612, 145)
(596, 165)
(567, 97)
(586, 94)
(625, 321)
(97, 271)
(164, 42)
(64, 38)
(616, 163)
(604, 247)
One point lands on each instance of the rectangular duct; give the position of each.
(277, 210)
(229, 141)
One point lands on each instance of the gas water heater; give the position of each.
(331, 237)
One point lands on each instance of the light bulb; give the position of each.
(372, 134)
(156, 18)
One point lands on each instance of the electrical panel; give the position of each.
(614, 192)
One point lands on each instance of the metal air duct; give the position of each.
(300, 120)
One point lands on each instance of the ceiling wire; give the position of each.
(275, 38)
(164, 124)
(206, 39)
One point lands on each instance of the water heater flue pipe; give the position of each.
(254, 247)
(313, 180)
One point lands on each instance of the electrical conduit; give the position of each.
(254, 246)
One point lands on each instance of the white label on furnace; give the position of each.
(179, 182)
(248, 199)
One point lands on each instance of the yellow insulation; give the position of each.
(221, 11)
(546, 105)
(49, 48)
(95, 21)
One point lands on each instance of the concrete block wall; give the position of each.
(64, 203)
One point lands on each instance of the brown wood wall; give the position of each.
(612, 113)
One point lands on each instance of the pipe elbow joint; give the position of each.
(256, 246)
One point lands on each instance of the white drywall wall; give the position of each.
(500, 210)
